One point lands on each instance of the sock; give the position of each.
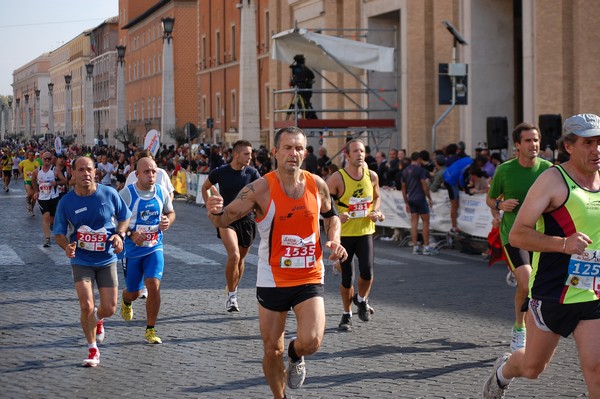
(350, 313)
(519, 327)
(232, 293)
(360, 298)
(96, 315)
(503, 381)
(92, 346)
(292, 352)
(149, 327)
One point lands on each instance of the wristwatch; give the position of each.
(121, 234)
(497, 204)
(129, 233)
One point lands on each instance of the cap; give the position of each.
(582, 125)
(37, 153)
(440, 159)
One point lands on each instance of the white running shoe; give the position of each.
(93, 358)
(144, 293)
(232, 305)
(296, 373)
(518, 339)
(511, 280)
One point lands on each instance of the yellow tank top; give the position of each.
(357, 200)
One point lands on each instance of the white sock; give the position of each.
(503, 381)
(349, 313)
(232, 293)
(96, 315)
(92, 346)
(360, 298)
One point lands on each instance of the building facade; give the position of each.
(142, 33)
(26, 80)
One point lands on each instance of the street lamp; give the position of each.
(68, 118)
(89, 104)
(27, 117)
(121, 123)
(51, 107)
(168, 24)
(38, 128)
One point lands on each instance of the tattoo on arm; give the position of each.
(243, 195)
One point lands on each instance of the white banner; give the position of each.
(474, 216)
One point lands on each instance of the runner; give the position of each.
(559, 221)
(92, 210)
(355, 189)
(26, 168)
(152, 214)
(509, 187)
(290, 275)
(7, 162)
(44, 183)
(237, 237)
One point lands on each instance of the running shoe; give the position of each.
(47, 243)
(511, 280)
(232, 305)
(346, 323)
(100, 331)
(126, 310)
(93, 358)
(151, 336)
(364, 313)
(428, 251)
(415, 250)
(144, 293)
(296, 373)
(518, 339)
(492, 388)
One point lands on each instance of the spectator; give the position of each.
(310, 163)
(438, 175)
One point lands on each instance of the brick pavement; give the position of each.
(440, 323)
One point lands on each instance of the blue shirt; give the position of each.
(91, 220)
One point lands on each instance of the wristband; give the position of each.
(218, 214)
(497, 204)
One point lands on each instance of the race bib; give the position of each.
(359, 207)
(298, 253)
(584, 270)
(150, 234)
(45, 187)
(91, 240)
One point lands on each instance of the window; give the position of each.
(218, 48)
(142, 110)
(232, 44)
(267, 102)
(148, 113)
(233, 105)
(267, 38)
(218, 106)
(203, 110)
(203, 52)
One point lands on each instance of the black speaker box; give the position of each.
(550, 129)
(497, 132)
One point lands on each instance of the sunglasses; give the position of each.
(47, 159)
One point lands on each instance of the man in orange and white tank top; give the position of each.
(287, 202)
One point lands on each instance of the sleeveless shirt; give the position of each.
(357, 200)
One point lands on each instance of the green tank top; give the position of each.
(564, 278)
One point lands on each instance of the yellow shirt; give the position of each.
(28, 168)
(357, 200)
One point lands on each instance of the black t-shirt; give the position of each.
(232, 181)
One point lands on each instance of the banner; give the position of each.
(474, 216)
(58, 145)
(152, 141)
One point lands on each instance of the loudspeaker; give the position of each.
(550, 129)
(497, 132)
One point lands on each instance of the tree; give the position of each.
(178, 134)
(125, 135)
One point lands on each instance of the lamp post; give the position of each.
(51, 107)
(89, 105)
(10, 126)
(2, 122)
(121, 122)
(168, 85)
(18, 116)
(38, 128)
(27, 117)
(68, 118)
